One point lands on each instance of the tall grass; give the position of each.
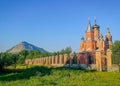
(61, 76)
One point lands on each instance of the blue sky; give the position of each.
(55, 24)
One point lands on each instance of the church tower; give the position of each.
(90, 43)
(82, 45)
(108, 39)
(89, 32)
(96, 31)
(94, 40)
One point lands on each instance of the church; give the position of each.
(95, 49)
(95, 52)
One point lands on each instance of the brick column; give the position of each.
(78, 59)
(61, 59)
(40, 61)
(109, 59)
(98, 60)
(56, 59)
(50, 62)
(32, 61)
(47, 61)
(53, 60)
(36, 61)
(65, 59)
(71, 58)
(44, 60)
(27, 61)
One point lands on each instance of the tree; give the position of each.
(116, 53)
(15, 58)
(54, 53)
(62, 51)
(1, 61)
(68, 50)
(5, 60)
(22, 56)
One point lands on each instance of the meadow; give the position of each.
(57, 76)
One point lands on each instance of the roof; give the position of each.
(89, 29)
(95, 26)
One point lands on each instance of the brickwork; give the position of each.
(94, 52)
(65, 59)
(109, 59)
(82, 59)
(98, 60)
(61, 59)
(51, 60)
(95, 43)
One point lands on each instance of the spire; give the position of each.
(108, 35)
(108, 31)
(95, 24)
(89, 26)
(94, 20)
(101, 37)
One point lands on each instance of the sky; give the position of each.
(55, 24)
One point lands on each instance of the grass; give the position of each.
(59, 76)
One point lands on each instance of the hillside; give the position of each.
(25, 46)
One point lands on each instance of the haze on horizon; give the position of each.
(55, 24)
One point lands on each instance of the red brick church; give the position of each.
(95, 50)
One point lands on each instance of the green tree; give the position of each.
(1, 61)
(15, 58)
(68, 50)
(30, 55)
(22, 56)
(5, 60)
(37, 54)
(62, 51)
(116, 53)
(54, 53)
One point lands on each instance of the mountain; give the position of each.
(24, 46)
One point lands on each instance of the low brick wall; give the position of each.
(60, 60)
(69, 61)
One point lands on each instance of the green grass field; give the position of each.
(60, 76)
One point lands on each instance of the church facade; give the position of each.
(95, 50)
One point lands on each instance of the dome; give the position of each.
(95, 26)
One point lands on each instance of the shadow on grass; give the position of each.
(12, 75)
(64, 68)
